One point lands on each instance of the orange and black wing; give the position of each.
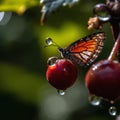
(86, 50)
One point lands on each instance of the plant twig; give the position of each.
(115, 48)
(115, 29)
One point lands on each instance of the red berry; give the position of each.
(62, 74)
(103, 79)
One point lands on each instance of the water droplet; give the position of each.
(105, 19)
(51, 60)
(102, 12)
(61, 92)
(112, 111)
(94, 100)
(49, 41)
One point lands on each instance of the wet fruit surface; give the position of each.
(103, 79)
(62, 74)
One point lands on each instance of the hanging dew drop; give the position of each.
(61, 92)
(51, 61)
(103, 15)
(104, 19)
(49, 41)
(112, 111)
(102, 12)
(94, 100)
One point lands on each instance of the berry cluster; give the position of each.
(102, 79)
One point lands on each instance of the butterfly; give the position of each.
(83, 51)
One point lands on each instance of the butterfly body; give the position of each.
(84, 51)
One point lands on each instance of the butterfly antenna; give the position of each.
(50, 42)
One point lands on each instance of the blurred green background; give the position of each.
(24, 91)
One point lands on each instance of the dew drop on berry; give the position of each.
(49, 41)
(94, 100)
(112, 111)
(51, 61)
(61, 92)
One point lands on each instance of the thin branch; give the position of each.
(115, 29)
(115, 49)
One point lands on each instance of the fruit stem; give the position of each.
(115, 29)
(115, 48)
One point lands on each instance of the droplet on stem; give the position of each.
(104, 18)
(102, 12)
(51, 61)
(49, 41)
(94, 100)
(61, 92)
(112, 111)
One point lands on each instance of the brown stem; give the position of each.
(109, 1)
(115, 29)
(115, 32)
(115, 48)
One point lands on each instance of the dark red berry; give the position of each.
(62, 74)
(103, 79)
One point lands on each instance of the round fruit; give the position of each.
(103, 79)
(62, 74)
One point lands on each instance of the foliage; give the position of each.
(19, 6)
(23, 63)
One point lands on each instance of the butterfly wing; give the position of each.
(85, 50)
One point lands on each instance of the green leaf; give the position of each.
(18, 6)
(25, 85)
